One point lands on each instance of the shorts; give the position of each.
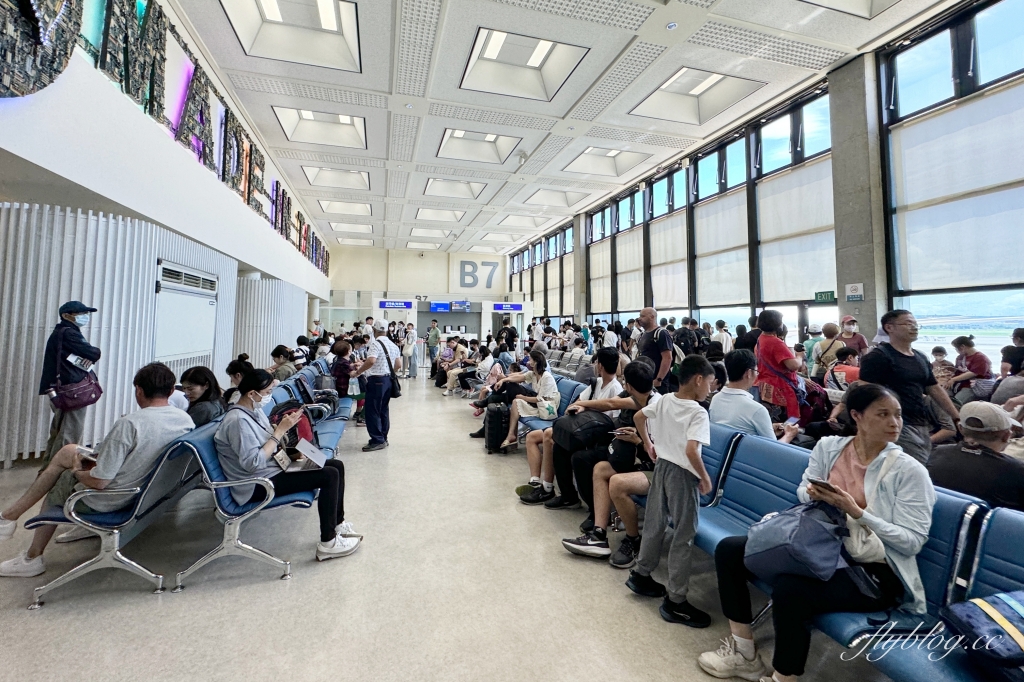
(650, 476)
(531, 410)
(64, 488)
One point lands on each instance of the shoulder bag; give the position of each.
(71, 397)
(396, 388)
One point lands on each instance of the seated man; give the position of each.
(977, 466)
(578, 348)
(734, 406)
(451, 358)
(551, 461)
(844, 371)
(123, 460)
(471, 360)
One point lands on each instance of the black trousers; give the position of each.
(330, 481)
(508, 392)
(796, 600)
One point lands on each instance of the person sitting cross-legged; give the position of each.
(124, 459)
(544, 405)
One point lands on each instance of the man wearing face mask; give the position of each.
(851, 337)
(77, 358)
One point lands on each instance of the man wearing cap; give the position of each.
(74, 365)
(378, 385)
(317, 330)
(814, 330)
(977, 466)
(852, 338)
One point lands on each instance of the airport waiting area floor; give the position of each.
(456, 580)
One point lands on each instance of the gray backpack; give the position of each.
(806, 540)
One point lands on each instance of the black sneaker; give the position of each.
(528, 487)
(370, 447)
(477, 434)
(560, 502)
(625, 555)
(594, 543)
(645, 585)
(684, 613)
(587, 525)
(537, 496)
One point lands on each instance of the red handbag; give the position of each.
(71, 397)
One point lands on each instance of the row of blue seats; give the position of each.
(188, 463)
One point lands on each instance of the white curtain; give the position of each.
(538, 289)
(669, 276)
(629, 263)
(554, 306)
(600, 277)
(958, 211)
(723, 270)
(796, 221)
(568, 284)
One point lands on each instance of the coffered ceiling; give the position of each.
(477, 125)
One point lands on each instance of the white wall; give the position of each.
(403, 273)
(269, 312)
(84, 129)
(50, 255)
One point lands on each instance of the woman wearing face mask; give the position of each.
(851, 338)
(246, 443)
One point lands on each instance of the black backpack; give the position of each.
(686, 340)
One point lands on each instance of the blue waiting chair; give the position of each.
(717, 456)
(200, 444)
(569, 392)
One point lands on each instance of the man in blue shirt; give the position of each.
(734, 406)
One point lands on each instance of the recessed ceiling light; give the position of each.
(270, 10)
(494, 45)
(408, 106)
(589, 149)
(344, 119)
(539, 53)
(458, 133)
(490, 138)
(347, 241)
(707, 83)
(308, 115)
(672, 80)
(614, 152)
(671, 26)
(328, 18)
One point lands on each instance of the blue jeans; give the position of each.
(413, 362)
(377, 408)
(434, 350)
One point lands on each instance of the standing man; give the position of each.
(378, 385)
(77, 358)
(656, 345)
(907, 372)
(508, 335)
(367, 329)
(317, 330)
(434, 345)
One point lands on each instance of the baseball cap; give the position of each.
(380, 326)
(814, 329)
(982, 416)
(75, 307)
(848, 318)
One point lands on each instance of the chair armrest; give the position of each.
(265, 483)
(69, 506)
(322, 409)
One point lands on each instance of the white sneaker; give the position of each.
(22, 567)
(447, 393)
(76, 533)
(727, 662)
(346, 530)
(7, 528)
(338, 547)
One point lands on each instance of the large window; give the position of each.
(552, 247)
(736, 164)
(625, 213)
(629, 262)
(601, 278)
(569, 245)
(723, 268)
(797, 235)
(568, 284)
(817, 131)
(660, 191)
(554, 305)
(707, 176)
(1000, 35)
(679, 189)
(669, 269)
(776, 145)
(924, 74)
(538, 253)
(537, 295)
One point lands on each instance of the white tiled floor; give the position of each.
(455, 581)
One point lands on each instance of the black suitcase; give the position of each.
(495, 427)
(441, 378)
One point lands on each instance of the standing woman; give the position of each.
(973, 373)
(409, 351)
(776, 369)
(899, 515)
(203, 392)
(246, 444)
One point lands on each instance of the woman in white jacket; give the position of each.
(879, 487)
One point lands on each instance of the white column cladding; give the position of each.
(268, 312)
(314, 311)
(49, 255)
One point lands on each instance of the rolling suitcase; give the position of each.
(495, 427)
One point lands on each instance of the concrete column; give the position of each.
(582, 284)
(314, 311)
(857, 190)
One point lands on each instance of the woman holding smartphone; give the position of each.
(899, 515)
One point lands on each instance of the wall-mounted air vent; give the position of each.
(187, 280)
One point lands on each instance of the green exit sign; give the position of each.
(825, 297)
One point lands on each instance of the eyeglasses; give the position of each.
(911, 325)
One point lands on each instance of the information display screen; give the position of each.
(437, 307)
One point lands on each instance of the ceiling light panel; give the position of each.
(317, 127)
(422, 246)
(314, 32)
(523, 221)
(498, 237)
(439, 215)
(352, 227)
(866, 9)
(485, 249)
(519, 66)
(345, 207)
(598, 161)
(695, 96)
(348, 241)
(429, 233)
(335, 177)
(455, 189)
(467, 145)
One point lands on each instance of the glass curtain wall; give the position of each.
(629, 257)
(568, 284)
(554, 304)
(723, 267)
(600, 277)
(670, 281)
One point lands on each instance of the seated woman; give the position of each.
(246, 444)
(972, 378)
(203, 392)
(900, 516)
(544, 385)
(283, 366)
(235, 370)
(776, 369)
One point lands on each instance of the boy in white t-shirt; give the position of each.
(679, 480)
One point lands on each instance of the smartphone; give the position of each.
(793, 420)
(824, 485)
(88, 457)
(618, 432)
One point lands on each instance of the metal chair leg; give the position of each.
(231, 545)
(109, 557)
(762, 614)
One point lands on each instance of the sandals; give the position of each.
(509, 443)
(478, 411)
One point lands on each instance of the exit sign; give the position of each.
(824, 297)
